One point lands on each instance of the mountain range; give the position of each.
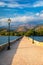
(22, 25)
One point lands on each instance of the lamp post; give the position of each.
(0, 29)
(33, 36)
(9, 20)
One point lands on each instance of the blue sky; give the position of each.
(21, 10)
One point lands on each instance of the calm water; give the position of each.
(4, 39)
(38, 38)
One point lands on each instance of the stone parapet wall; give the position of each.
(2, 47)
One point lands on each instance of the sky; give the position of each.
(21, 10)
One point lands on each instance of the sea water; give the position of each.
(38, 38)
(4, 39)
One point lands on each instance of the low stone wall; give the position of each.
(2, 47)
(36, 42)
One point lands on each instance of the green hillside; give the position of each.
(20, 31)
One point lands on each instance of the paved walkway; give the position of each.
(23, 52)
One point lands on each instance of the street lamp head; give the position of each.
(9, 20)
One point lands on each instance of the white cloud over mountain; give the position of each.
(24, 18)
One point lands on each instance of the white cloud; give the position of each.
(3, 19)
(37, 14)
(38, 4)
(41, 16)
(13, 5)
(18, 18)
(16, 4)
(23, 18)
(2, 4)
